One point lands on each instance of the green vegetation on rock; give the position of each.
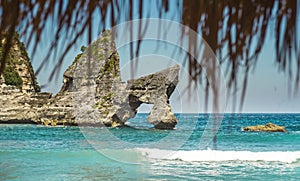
(11, 77)
(17, 56)
(83, 48)
(108, 96)
(36, 87)
(110, 66)
(77, 57)
(104, 105)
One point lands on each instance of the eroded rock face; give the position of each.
(156, 89)
(115, 101)
(20, 98)
(269, 127)
(18, 70)
(93, 94)
(19, 107)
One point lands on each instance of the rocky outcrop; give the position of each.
(156, 89)
(93, 94)
(18, 70)
(19, 92)
(269, 127)
(19, 107)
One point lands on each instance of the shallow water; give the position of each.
(33, 152)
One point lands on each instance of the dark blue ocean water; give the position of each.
(33, 152)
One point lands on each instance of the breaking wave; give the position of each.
(216, 155)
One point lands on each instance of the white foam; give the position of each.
(216, 155)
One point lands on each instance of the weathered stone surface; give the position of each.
(19, 92)
(18, 70)
(269, 127)
(93, 94)
(19, 107)
(156, 89)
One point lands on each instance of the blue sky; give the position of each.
(267, 89)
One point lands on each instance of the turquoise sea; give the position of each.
(139, 152)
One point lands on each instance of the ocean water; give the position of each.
(139, 152)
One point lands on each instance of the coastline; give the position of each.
(35, 151)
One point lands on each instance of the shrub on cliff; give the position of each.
(17, 56)
(11, 77)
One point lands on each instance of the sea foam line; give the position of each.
(217, 155)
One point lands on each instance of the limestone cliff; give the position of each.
(18, 71)
(156, 89)
(93, 94)
(19, 91)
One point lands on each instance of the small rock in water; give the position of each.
(269, 127)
